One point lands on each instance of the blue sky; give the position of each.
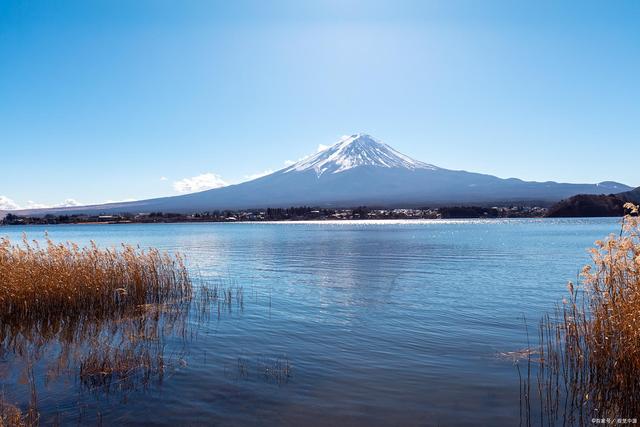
(113, 100)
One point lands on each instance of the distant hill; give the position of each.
(632, 196)
(358, 170)
(590, 205)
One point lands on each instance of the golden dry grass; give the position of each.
(10, 415)
(42, 283)
(589, 355)
(104, 312)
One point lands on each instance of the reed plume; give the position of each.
(41, 284)
(589, 354)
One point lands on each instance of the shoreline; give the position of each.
(389, 221)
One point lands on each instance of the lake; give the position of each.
(378, 323)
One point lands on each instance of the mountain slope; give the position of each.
(358, 170)
(632, 196)
(590, 205)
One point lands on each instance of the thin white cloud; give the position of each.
(35, 205)
(287, 163)
(321, 148)
(164, 178)
(68, 203)
(205, 181)
(118, 201)
(8, 204)
(258, 175)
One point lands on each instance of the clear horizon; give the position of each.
(104, 101)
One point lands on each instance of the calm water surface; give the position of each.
(383, 323)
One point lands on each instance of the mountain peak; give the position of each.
(356, 150)
(359, 138)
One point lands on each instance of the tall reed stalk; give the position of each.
(105, 312)
(42, 283)
(589, 364)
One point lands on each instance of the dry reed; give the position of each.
(118, 320)
(218, 295)
(104, 312)
(589, 353)
(10, 415)
(42, 283)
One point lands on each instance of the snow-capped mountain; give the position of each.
(359, 170)
(353, 151)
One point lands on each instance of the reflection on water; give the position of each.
(112, 355)
(358, 324)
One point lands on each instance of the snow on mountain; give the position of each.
(353, 151)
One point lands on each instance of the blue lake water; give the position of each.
(383, 323)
